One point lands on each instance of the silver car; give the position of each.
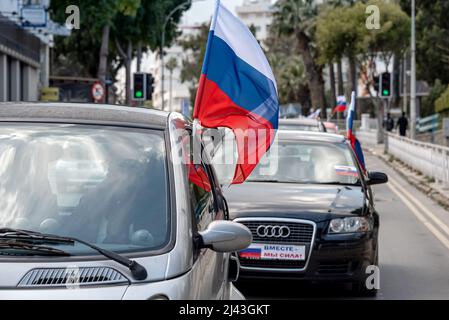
(102, 202)
(302, 124)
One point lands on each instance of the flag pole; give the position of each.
(351, 109)
(199, 92)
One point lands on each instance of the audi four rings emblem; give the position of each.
(269, 231)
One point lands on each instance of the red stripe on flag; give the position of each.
(254, 133)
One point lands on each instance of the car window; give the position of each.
(104, 185)
(200, 187)
(307, 162)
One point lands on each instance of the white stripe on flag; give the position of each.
(237, 35)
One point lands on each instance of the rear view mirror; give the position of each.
(375, 177)
(226, 236)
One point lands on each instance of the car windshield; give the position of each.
(307, 162)
(103, 185)
(301, 127)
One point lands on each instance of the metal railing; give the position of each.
(430, 159)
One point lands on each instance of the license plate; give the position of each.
(274, 252)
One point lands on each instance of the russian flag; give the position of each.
(341, 104)
(237, 90)
(350, 133)
(251, 253)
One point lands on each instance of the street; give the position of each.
(413, 249)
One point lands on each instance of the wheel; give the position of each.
(359, 288)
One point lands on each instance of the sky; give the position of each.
(202, 10)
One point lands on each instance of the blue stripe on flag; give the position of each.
(243, 84)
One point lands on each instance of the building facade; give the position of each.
(257, 14)
(24, 49)
(176, 93)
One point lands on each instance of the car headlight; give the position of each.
(349, 225)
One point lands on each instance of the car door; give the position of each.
(209, 266)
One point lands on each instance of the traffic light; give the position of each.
(376, 83)
(385, 84)
(149, 86)
(139, 93)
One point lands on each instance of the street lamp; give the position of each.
(167, 19)
(413, 76)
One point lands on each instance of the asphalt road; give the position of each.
(414, 249)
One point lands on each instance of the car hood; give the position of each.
(312, 201)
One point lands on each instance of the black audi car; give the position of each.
(311, 212)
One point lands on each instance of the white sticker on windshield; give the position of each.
(346, 170)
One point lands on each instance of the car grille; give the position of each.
(59, 277)
(281, 264)
(333, 267)
(300, 234)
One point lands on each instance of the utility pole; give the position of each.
(404, 83)
(413, 78)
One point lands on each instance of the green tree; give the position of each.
(288, 69)
(442, 103)
(194, 47)
(432, 41)
(109, 34)
(428, 102)
(297, 18)
(341, 31)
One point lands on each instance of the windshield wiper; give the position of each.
(137, 270)
(42, 250)
(338, 183)
(27, 236)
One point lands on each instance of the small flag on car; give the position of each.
(350, 134)
(341, 104)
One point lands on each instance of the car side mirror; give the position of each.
(375, 177)
(226, 236)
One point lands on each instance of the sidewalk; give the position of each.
(414, 177)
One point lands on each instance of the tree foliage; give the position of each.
(432, 40)
(288, 69)
(442, 103)
(295, 19)
(131, 20)
(194, 47)
(341, 31)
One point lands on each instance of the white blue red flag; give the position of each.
(350, 133)
(237, 90)
(341, 104)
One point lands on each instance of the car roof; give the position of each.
(303, 121)
(82, 113)
(298, 135)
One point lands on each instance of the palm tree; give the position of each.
(171, 65)
(297, 17)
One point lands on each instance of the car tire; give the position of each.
(359, 288)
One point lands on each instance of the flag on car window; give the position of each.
(350, 134)
(237, 90)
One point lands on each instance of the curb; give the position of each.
(419, 183)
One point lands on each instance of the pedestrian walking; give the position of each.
(402, 124)
(389, 123)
